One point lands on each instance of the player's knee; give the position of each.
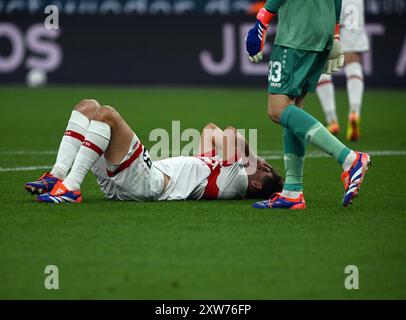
(88, 107)
(275, 109)
(351, 57)
(106, 114)
(276, 105)
(87, 103)
(274, 114)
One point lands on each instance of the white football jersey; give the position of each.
(203, 178)
(137, 178)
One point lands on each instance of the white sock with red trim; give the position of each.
(355, 86)
(349, 160)
(70, 144)
(96, 142)
(326, 94)
(291, 194)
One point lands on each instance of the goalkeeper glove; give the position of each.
(255, 38)
(335, 60)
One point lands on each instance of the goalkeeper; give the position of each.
(307, 44)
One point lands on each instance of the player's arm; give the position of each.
(255, 39)
(209, 134)
(336, 57)
(236, 146)
(273, 5)
(230, 145)
(338, 6)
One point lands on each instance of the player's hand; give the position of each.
(263, 165)
(255, 39)
(255, 42)
(335, 59)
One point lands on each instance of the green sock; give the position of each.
(308, 128)
(294, 150)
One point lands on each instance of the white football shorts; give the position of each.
(352, 33)
(135, 178)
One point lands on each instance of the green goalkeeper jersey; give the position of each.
(305, 24)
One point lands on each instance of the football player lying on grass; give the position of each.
(97, 138)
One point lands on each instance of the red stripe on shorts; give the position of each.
(75, 135)
(93, 147)
(128, 162)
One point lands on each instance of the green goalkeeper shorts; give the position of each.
(293, 72)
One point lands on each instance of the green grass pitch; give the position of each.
(200, 250)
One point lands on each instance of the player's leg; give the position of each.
(71, 141)
(294, 152)
(107, 134)
(354, 41)
(326, 93)
(74, 136)
(305, 126)
(355, 88)
(294, 146)
(285, 84)
(354, 164)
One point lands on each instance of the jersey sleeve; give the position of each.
(232, 182)
(338, 4)
(273, 5)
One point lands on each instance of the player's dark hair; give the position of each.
(270, 185)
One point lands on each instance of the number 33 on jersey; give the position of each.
(293, 72)
(275, 73)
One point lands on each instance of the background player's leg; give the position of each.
(302, 124)
(107, 134)
(355, 88)
(74, 135)
(326, 93)
(294, 152)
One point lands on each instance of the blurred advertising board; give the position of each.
(182, 50)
